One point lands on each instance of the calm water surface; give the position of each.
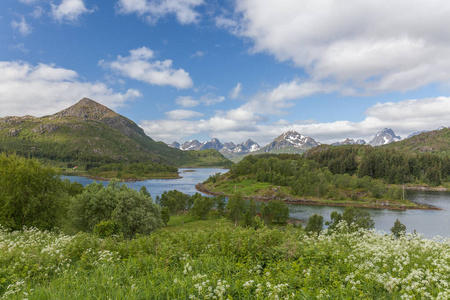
(427, 223)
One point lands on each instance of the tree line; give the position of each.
(391, 165)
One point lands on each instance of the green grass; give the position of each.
(201, 259)
(251, 188)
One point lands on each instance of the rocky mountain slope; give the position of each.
(384, 137)
(290, 142)
(228, 149)
(89, 132)
(350, 142)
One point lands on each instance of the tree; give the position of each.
(265, 213)
(315, 224)
(30, 194)
(220, 204)
(235, 207)
(202, 205)
(134, 211)
(335, 219)
(360, 218)
(144, 191)
(175, 201)
(165, 214)
(398, 229)
(279, 212)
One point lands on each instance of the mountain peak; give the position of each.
(88, 109)
(385, 136)
(293, 140)
(91, 110)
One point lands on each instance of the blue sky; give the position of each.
(233, 70)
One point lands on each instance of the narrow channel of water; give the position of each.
(427, 223)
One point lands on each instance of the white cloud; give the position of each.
(151, 10)
(20, 46)
(45, 89)
(374, 46)
(69, 10)
(198, 54)
(235, 92)
(277, 100)
(211, 99)
(183, 114)
(187, 101)
(142, 66)
(239, 124)
(22, 27)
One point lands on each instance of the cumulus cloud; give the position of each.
(183, 114)
(187, 101)
(69, 10)
(277, 100)
(211, 99)
(43, 89)
(239, 124)
(375, 46)
(141, 65)
(152, 10)
(22, 27)
(236, 91)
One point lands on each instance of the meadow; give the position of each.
(213, 259)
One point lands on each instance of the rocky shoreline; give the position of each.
(303, 201)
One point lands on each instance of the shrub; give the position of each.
(30, 194)
(107, 228)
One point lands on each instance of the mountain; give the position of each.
(228, 149)
(422, 131)
(91, 133)
(385, 136)
(429, 141)
(350, 142)
(290, 142)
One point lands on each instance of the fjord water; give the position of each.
(429, 223)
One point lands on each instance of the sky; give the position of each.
(233, 70)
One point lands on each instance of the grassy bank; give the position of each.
(214, 260)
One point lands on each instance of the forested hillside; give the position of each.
(90, 134)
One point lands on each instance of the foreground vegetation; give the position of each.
(116, 243)
(215, 260)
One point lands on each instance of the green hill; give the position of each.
(90, 133)
(437, 141)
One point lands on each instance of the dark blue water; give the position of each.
(427, 223)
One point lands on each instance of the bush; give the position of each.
(31, 194)
(107, 228)
(134, 211)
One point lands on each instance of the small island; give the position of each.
(323, 178)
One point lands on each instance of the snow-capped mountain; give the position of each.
(422, 131)
(384, 137)
(350, 142)
(290, 141)
(227, 149)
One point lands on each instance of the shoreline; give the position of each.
(303, 201)
(120, 179)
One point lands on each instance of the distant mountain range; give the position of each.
(350, 142)
(227, 149)
(91, 133)
(288, 142)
